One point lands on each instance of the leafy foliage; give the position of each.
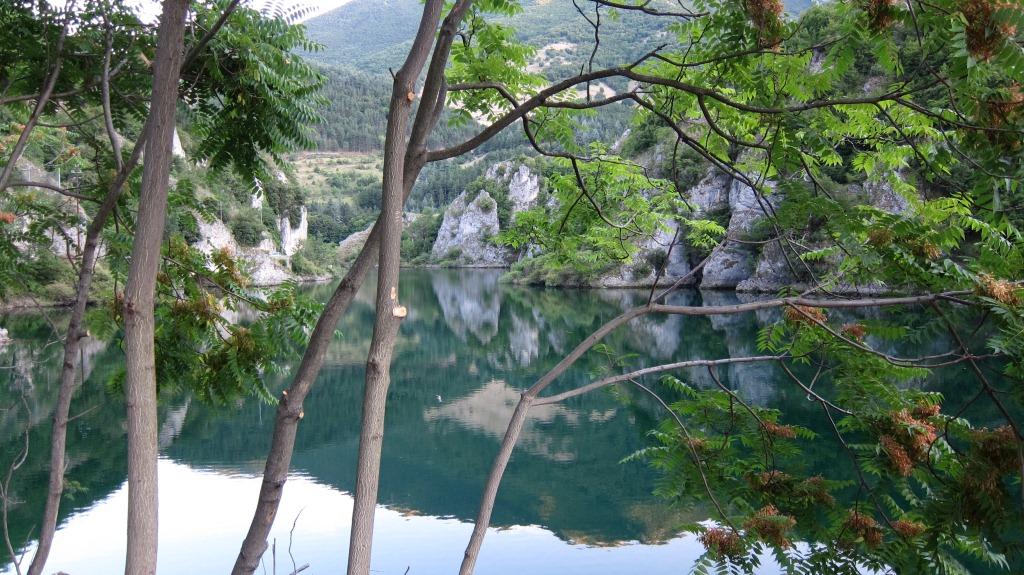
(248, 93)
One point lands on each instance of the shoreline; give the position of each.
(23, 303)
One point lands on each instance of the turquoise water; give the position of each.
(468, 347)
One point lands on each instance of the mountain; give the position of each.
(358, 32)
(373, 35)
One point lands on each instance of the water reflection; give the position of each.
(468, 347)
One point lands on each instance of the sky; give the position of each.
(150, 9)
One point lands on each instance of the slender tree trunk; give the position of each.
(389, 313)
(37, 112)
(483, 519)
(289, 407)
(72, 344)
(289, 410)
(515, 428)
(140, 380)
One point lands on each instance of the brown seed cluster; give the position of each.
(994, 453)
(1004, 110)
(766, 17)
(809, 315)
(205, 308)
(778, 430)
(864, 527)
(778, 484)
(984, 34)
(7, 217)
(772, 482)
(722, 542)
(771, 526)
(999, 114)
(855, 331)
(697, 444)
(925, 411)
(223, 258)
(880, 237)
(815, 488)
(880, 13)
(908, 529)
(907, 437)
(898, 456)
(1000, 290)
(927, 249)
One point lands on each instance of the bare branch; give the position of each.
(601, 383)
(40, 107)
(52, 188)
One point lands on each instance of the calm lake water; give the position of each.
(468, 347)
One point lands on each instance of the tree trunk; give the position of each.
(389, 313)
(289, 410)
(289, 407)
(140, 380)
(66, 390)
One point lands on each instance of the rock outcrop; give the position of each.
(732, 262)
(177, 150)
(471, 221)
(349, 247)
(265, 267)
(745, 265)
(779, 266)
(523, 185)
(653, 252)
(467, 231)
(214, 236)
(292, 238)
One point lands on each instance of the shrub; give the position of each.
(642, 269)
(487, 204)
(418, 237)
(316, 258)
(247, 228)
(47, 268)
(656, 259)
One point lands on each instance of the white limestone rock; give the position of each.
(177, 150)
(349, 247)
(215, 236)
(267, 269)
(731, 262)
(779, 265)
(464, 237)
(653, 250)
(523, 189)
(293, 238)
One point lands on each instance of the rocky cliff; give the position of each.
(266, 264)
(467, 232)
(466, 235)
(752, 261)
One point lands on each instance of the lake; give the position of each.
(468, 347)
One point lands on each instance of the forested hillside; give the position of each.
(364, 38)
(373, 35)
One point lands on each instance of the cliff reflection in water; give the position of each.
(468, 347)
